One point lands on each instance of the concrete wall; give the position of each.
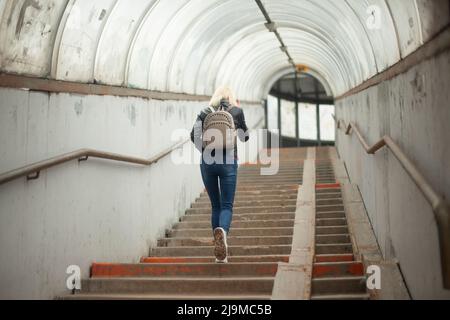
(413, 109)
(97, 210)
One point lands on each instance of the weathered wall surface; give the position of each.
(97, 210)
(413, 109)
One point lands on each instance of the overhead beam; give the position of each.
(297, 117)
(319, 136)
(272, 27)
(48, 85)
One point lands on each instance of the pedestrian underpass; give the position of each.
(94, 98)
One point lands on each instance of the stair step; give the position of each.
(329, 201)
(328, 208)
(330, 258)
(163, 297)
(336, 269)
(333, 222)
(239, 224)
(232, 241)
(333, 239)
(141, 270)
(254, 203)
(249, 232)
(362, 296)
(255, 198)
(331, 215)
(242, 217)
(270, 193)
(268, 174)
(170, 286)
(340, 248)
(233, 259)
(208, 251)
(282, 170)
(323, 196)
(328, 191)
(288, 178)
(326, 230)
(339, 285)
(292, 174)
(244, 210)
(258, 174)
(257, 170)
(270, 188)
(266, 184)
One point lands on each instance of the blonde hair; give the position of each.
(223, 93)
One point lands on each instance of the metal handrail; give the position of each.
(437, 202)
(32, 171)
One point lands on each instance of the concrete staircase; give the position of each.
(182, 265)
(336, 274)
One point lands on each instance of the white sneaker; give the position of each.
(222, 261)
(221, 246)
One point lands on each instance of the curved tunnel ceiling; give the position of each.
(191, 46)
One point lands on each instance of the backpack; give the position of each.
(219, 123)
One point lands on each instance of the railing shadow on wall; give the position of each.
(437, 202)
(32, 171)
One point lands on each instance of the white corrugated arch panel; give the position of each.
(213, 33)
(171, 36)
(407, 23)
(384, 40)
(249, 57)
(192, 46)
(315, 55)
(209, 69)
(27, 35)
(332, 23)
(115, 42)
(147, 40)
(80, 39)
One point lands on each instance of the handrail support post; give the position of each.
(33, 176)
(443, 219)
(83, 159)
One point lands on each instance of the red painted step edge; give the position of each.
(328, 186)
(334, 258)
(106, 270)
(174, 260)
(167, 260)
(320, 271)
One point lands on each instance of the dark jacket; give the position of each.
(239, 122)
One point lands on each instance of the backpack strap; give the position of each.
(211, 109)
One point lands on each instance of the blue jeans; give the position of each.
(220, 182)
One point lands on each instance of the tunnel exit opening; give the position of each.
(301, 110)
